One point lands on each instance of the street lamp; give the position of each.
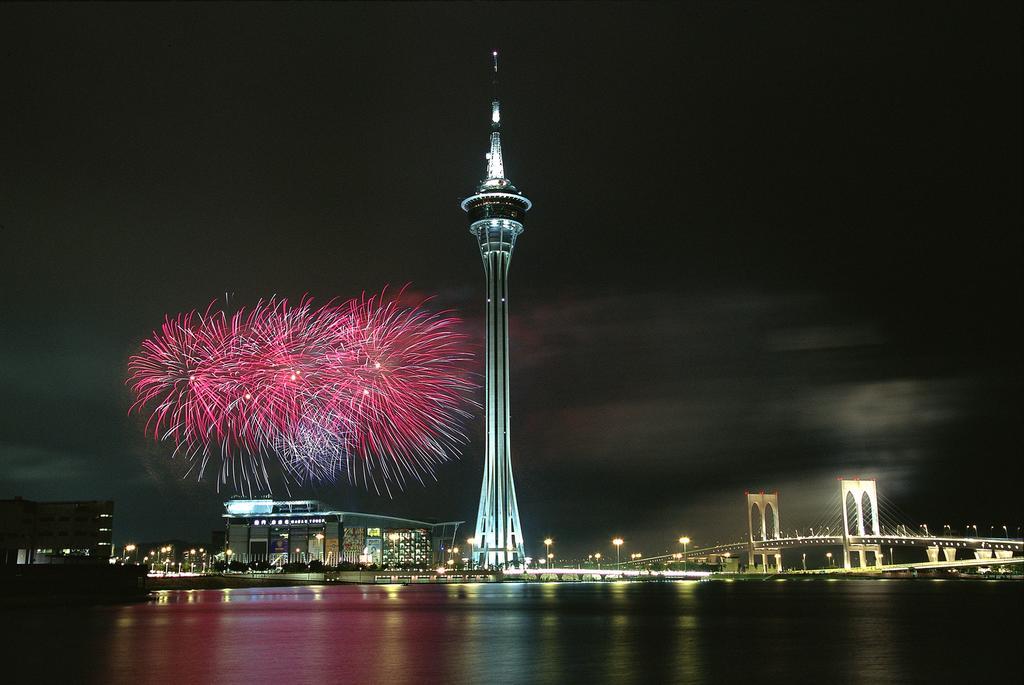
(828, 555)
(597, 555)
(131, 548)
(547, 547)
(618, 543)
(804, 560)
(472, 544)
(684, 541)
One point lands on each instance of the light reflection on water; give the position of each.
(544, 632)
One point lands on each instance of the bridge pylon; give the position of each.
(860, 519)
(763, 524)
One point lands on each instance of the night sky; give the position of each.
(771, 244)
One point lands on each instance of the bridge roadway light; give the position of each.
(828, 555)
(597, 555)
(618, 544)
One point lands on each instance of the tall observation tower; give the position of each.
(496, 213)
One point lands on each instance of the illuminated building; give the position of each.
(496, 212)
(287, 531)
(55, 532)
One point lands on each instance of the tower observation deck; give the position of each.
(496, 212)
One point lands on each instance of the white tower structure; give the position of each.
(496, 212)
(860, 519)
(763, 526)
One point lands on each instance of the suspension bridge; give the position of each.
(860, 524)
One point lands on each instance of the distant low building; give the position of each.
(284, 531)
(55, 532)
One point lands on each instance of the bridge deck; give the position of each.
(1012, 545)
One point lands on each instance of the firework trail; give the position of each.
(369, 388)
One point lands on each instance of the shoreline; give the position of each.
(155, 586)
(245, 582)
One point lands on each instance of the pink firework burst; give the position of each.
(368, 387)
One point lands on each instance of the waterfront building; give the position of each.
(496, 212)
(55, 532)
(287, 531)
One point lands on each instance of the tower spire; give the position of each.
(494, 77)
(495, 166)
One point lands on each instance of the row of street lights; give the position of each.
(618, 542)
(471, 542)
(163, 556)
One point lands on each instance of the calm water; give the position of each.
(756, 632)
